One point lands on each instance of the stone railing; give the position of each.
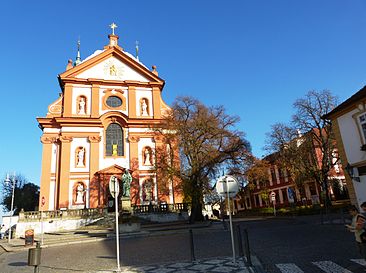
(161, 208)
(29, 216)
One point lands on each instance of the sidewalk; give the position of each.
(217, 265)
(221, 264)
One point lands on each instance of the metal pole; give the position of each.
(191, 243)
(240, 242)
(231, 221)
(11, 210)
(274, 207)
(117, 228)
(247, 248)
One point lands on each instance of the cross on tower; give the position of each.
(113, 26)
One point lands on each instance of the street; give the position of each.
(303, 245)
(293, 245)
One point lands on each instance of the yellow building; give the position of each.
(98, 127)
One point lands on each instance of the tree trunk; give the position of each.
(196, 209)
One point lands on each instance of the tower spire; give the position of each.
(78, 59)
(137, 50)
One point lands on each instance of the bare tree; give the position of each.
(308, 155)
(206, 140)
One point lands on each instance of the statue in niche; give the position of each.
(144, 108)
(148, 190)
(80, 157)
(82, 106)
(147, 156)
(80, 193)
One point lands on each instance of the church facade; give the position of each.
(101, 126)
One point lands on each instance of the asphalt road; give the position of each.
(303, 241)
(300, 242)
(172, 247)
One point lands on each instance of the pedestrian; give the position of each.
(357, 227)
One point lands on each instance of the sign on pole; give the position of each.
(114, 190)
(227, 186)
(273, 196)
(114, 186)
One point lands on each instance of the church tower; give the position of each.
(99, 127)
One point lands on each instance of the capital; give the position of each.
(48, 139)
(65, 139)
(94, 139)
(133, 139)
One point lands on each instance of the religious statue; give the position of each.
(144, 108)
(80, 156)
(82, 106)
(126, 184)
(79, 193)
(148, 191)
(113, 71)
(147, 155)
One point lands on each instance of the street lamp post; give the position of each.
(8, 180)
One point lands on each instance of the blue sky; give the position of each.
(254, 57)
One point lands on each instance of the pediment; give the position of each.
(114, 169)
(111, 64)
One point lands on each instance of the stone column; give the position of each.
(67, 101)
(94, 101)
(64, 173)
(94, 167)
(156, 102)
(47, 142)
(132, 102)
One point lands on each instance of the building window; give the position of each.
(114, 101)
(362, 121)
(114, 140)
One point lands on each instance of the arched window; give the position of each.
(114, 140)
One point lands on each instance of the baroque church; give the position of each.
(99, 127)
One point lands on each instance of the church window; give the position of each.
(114, 101)
(114, 140)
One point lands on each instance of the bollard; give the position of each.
(34, 257)
(193, 258)
(247, 248)
(240, 241)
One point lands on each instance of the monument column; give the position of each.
(64, 173)
(94, 167)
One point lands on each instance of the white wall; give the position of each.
(351, 138)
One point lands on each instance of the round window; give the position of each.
(114, 101)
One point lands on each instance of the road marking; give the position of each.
(330, 267)
(359, 261)
(289, 268)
